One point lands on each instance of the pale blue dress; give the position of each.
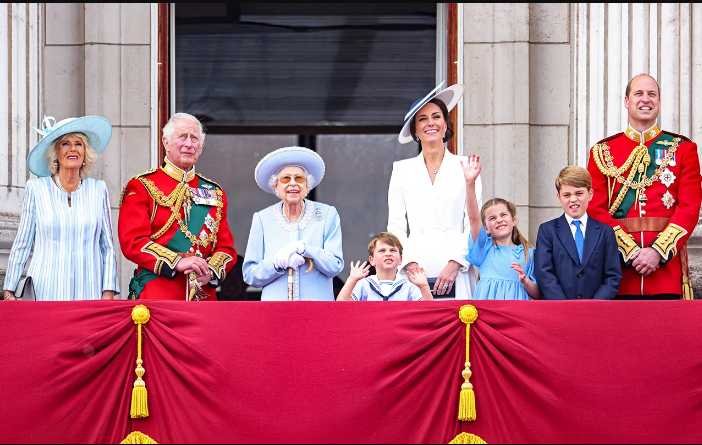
(73, 253)
(319, 227)
(498, 281)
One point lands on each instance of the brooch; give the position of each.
(318, 214)
(668, 200)
(210, 222)
(667, 177)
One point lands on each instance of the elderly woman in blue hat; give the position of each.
(294, 249)
(65, 217)
(427, 198)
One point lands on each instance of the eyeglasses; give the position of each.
(287, 178)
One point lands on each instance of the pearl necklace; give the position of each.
(287, 216)
(58, 183)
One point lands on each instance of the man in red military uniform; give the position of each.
(648, 187)
(173, 223)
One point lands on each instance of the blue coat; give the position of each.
(319, 227)
(558, 270)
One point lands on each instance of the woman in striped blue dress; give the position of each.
(66, 217)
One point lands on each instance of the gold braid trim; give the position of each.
(162, 255)
(640, 159)
(667, 239)
(466, 438)
(626, 243)
(137, 437)
(172, 201)
(218, 263)
(211, 238)
(124, 189)
(208, 180)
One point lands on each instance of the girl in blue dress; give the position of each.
(504, 257)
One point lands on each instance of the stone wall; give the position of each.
(516, 59)
(545, 81)
(95, 60)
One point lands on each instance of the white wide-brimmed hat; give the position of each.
(96, 128)
(450, 96)
(277, 160)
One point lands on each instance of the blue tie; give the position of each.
(579, 239)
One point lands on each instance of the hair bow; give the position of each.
(46, 126)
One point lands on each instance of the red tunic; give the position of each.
(677, 201)
(151, 236)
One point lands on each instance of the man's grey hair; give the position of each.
(273, 181)
(169, 128)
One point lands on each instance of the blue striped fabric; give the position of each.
(74, 256)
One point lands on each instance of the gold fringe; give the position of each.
(135, 437)
(687, 289)
(466, 407)
(140, 406)
(465, 438)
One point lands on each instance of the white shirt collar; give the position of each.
(583, 221)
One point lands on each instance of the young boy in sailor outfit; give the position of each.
(385, 254)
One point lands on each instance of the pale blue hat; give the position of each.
(96, 128)
(277, 160)
(450, 96)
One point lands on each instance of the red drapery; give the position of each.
(315, 372)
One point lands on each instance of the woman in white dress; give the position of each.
(66, 217)
(427, 199)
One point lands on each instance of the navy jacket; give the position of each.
(558, 270)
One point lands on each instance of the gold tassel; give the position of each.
(136, 437)
(466, 407)
(140, 407)
(687, 288)
(466, 438)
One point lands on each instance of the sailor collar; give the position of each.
(648, 135)
(176, 173)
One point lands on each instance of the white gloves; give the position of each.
(296, 260)
(290, 256)
(299, 246)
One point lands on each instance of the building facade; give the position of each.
(543, 83)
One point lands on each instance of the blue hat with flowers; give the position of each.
(97, 129)
(450, 96)
(277, 160)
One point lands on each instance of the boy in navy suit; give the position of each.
(576, 256)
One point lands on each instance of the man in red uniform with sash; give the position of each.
(173, 223)
(648, 187)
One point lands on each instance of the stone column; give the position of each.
(118, 87)
(20, 103)
(517, 75)
(614, 42)
(95, 60)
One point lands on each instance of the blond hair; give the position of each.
(517, 238)
(386, 237)
(89, 157)
(574, 176)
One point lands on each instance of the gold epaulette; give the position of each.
(626, 243)
(666, 241)
(208, 180)
(609, 138)
(684, 138)
(124, 189)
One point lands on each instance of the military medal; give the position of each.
(667, 177)
(668, 200)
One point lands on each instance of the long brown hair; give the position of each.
(517, 238)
